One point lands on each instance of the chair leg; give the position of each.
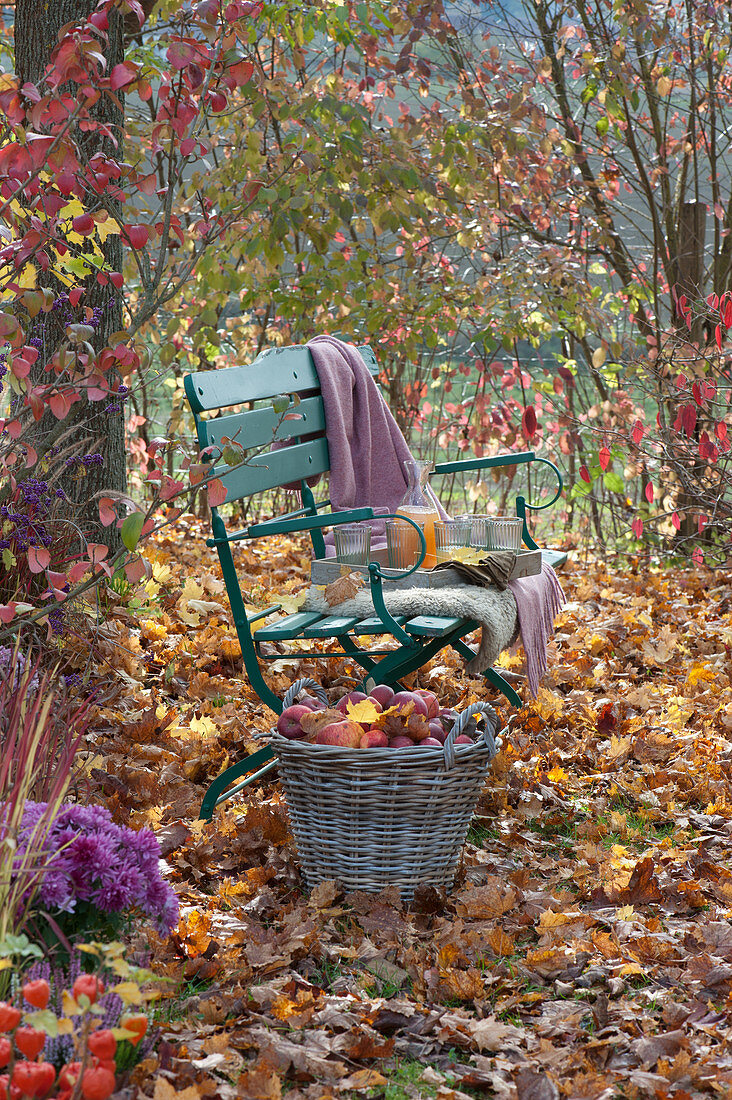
(215, 793)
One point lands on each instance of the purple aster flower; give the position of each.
(91, 859)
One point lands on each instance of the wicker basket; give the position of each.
(383, 817)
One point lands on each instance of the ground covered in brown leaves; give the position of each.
(586, 949)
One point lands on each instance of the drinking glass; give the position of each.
(504, 533)
(450, 535)
(478, 529)
(352, 543)
(402, 544)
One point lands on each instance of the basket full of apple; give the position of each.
(381, 787)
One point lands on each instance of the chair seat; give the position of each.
(310, 624)
(433, 626)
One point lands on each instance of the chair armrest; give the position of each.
(307, 523)
(465, 464)
(303, 523)
(504, 460)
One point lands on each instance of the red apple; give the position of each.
(430, 743)
(288, 723)
(433, 703)
(374, 739)
(463, 739)
(382, 694)
(402, 698)
(400, 743)
(437, 730)
(310, 702)
(344, 735)
(352, 697)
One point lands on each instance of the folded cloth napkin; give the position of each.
(367, 449)
(493, 569)
(538, 601)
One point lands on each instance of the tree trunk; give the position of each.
(98, 427)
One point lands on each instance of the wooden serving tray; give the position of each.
(325, 570)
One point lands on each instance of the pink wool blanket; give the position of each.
(538, 601)
(367, 448)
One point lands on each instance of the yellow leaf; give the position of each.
(250, 610)
(664, 86)
(698, 673)
(129, 992)
(557, 775)
(364, 711)
(190, 618)
(192, 590)
(625, 912)
(292, 604)
(204, 725)
(70, 1007)
(108, 228)
(467, 555)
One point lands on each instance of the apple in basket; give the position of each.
(382, 694)
(343, 735)
(431, 700)
(289, 722)
(310, 702)
(374, 739)
(412, 700)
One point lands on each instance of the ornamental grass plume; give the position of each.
(38, 745)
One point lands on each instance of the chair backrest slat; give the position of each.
(275, 468)
(275, 371)
(256, 428)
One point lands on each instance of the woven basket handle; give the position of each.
(294, 690)
(488, 734)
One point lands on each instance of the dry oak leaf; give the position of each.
(363, 1079)
(463, 985)
(317, 719)
(535, 1085)
(259, 1084)
(363, 1042)
(325, 893)
(165, 1091)
(491, 1034)
(345, 588)
(548, 962)
(642, 887)
(485, 902)
(662, 650)
(501, 944)
(649, 1050)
